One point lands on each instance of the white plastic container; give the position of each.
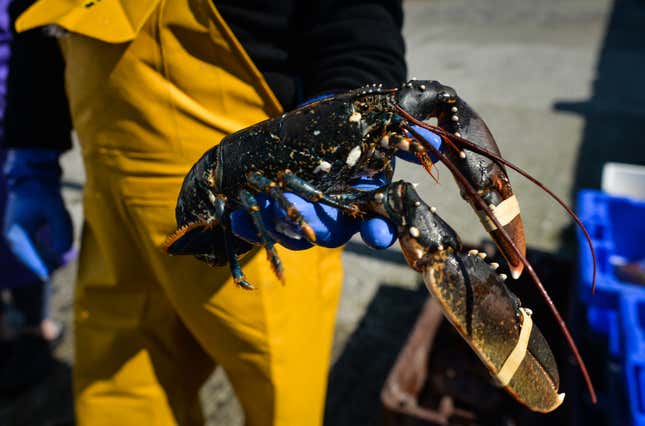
(624, 180)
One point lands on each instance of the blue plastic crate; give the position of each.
(617, 228)
(606, 322)
(632, 323)
(615, 401)
(634, 375)
(630, 386)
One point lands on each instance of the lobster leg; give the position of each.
(473, 298)
(250, 204)
(234, 263)
(264, 184)
(201, 239)
(310, 193)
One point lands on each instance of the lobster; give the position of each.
(317, 150)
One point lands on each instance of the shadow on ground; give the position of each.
(614, 132)
(47, 404)
(615, 113)
(358, 375)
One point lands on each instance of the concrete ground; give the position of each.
(557, 81)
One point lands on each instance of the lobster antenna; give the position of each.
(568, 209)
(498, 158)
(448, 141)
(473, 194)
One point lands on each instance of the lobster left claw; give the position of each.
(458, 123)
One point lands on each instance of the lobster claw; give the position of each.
(490, 181)
(459, 125)
(473, 298)
(501, 332)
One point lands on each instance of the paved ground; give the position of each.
(557, 82)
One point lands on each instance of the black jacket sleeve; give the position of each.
(36, 113)
(351, 43)
(308, 48)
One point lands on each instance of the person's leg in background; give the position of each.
(33, 302)
(27, 352)
(30, 330)
(29, 358)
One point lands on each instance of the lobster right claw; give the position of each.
(490, 181)
(459, 125)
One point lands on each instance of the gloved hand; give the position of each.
(332, 228)
(37, 225)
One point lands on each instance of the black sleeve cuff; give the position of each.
(37, 112)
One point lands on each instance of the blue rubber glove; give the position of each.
(376, 232)
(332, 228)
(37, 225)
(315, 99)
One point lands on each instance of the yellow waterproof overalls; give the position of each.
(152, 84)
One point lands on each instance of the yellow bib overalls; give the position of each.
(152, 84)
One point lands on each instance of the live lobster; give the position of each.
(318, 150)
